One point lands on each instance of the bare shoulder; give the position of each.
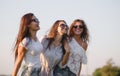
(21, 49)
(85, 45)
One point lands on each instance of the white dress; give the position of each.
(77, 55)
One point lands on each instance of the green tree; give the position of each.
(97, 72)
(107, 70)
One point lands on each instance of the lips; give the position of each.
(37, 25)
(77, 30)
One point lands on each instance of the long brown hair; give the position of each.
(85, 33)
(23, 31)
(53, 32)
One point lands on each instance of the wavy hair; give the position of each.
(85, 33)
(23, 31)
(53, 32)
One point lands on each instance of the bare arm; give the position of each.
(21, 54)
(80, 69)
(65, 58)
(85, 45)
(66, 55)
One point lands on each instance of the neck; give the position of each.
(33, 35)
(58, 38)
(77, 37)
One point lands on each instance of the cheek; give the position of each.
(65, 30)
(73, 30)
(31, 24)
(59, 29)
(81, 30)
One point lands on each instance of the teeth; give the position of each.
(77, 30)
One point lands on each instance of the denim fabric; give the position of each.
(31, 72)
(63, 71)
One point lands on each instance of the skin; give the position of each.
(77, 34)
(34, 27)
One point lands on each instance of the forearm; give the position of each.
(15, 70)
(20, 56)
(80, 69)
(65, 58)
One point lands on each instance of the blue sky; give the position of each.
(101, 16)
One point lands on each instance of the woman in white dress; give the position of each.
(78, 44)
(55, 48)
(28, 47)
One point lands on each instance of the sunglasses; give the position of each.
(34, 20)
(78, 26)
(63, 26)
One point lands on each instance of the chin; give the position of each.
(38, 29)
(77, 33)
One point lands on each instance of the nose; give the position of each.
(38, 22)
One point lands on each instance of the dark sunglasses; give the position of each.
(78, 26)
(35, 20)
(63, 26)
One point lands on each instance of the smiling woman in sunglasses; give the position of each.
(55, 48)
(79, 38)
(28, 47)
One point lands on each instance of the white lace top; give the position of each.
(77, 55)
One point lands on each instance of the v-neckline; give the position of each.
(78, 44)
(34, 40)
(56, 46)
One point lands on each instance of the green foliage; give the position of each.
(107, 70)
(97, 72)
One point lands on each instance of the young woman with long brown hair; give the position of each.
(27, 46)
(56, 49)
(79, 38)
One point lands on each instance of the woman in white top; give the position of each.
(56, 49)
(27, 46)
(79, 38)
